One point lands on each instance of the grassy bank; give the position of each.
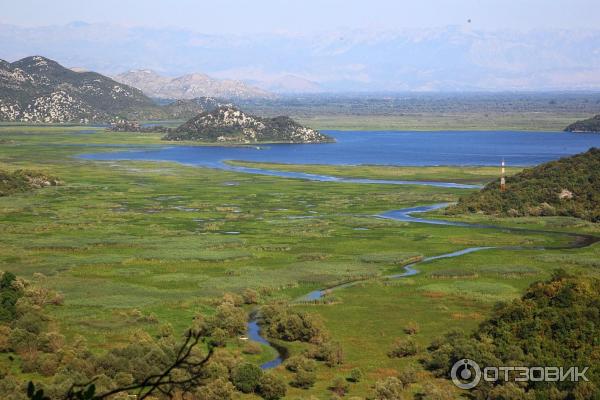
(526, 121)
(474, 175)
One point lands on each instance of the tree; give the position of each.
(7, 279)
(185, 373)
(246, 377)
(219, 389)
(271, 387)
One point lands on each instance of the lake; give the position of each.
(383, 148)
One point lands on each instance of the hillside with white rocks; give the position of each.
(37, 89)
(229, 124)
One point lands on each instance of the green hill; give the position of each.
(586, 125)
(569, 186)
(555, 323)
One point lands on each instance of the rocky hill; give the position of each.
(36, 89)
(183, 109)
(586, 125)
(569, 186)
(228, 124)
(189, 86)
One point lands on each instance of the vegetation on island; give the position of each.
(229, 124)
(586, 125)
(568, 187)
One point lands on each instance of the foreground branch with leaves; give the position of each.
(185, 373)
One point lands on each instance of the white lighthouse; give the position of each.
(502, 178)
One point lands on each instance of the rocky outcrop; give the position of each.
(229, 124)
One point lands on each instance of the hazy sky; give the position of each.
(252, 16)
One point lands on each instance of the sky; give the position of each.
(321, 45)
(306, 16)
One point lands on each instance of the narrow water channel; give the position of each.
(406, 215)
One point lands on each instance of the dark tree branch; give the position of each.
(163, 382)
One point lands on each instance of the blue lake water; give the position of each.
(384, 148)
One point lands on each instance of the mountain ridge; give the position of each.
(352, 60)
(38, 89)
(189, 86)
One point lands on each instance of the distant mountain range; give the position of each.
(289, 84)
(226, 123)
(37, 89)
(189, 86)
(454, 58)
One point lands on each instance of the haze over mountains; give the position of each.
(188, 86)
(454, 58)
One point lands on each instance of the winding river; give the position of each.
(381, 148)
(406, 215)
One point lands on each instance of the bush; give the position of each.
(296, 363)
(219, 389)
(388, 389)
(246, 377)
(271, 387)
(355, 375)
(4, 338)
(433, 392)
(304, 379)
(408, 375)
(229, 318)
(403, 348)
(331, 353)
(250, 296)
(411, 328)
(252, 348)
(339, 386)
(292, 325)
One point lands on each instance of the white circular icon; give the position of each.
(465, 374)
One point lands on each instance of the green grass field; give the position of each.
(128, 240)
(476, 121)
(474, 175)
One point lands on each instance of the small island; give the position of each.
(586, 125)
(227, 123)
